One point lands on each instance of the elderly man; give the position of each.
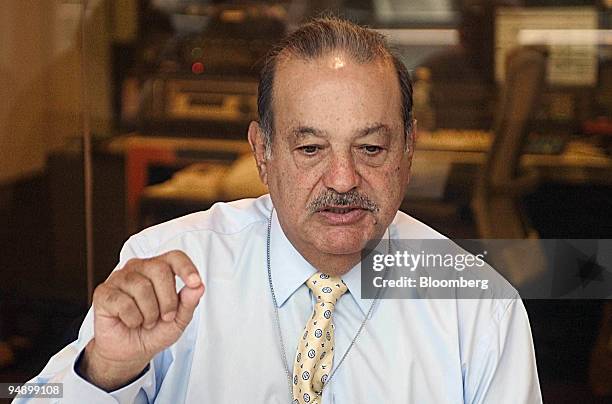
(282, 318)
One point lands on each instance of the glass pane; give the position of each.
(164, 90)
(43, 291)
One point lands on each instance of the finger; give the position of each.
(140, 288)
(114, 303)
(162, 278)
(188, 301)
(182, 266)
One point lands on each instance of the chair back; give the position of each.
(500, 182)
(524, 83)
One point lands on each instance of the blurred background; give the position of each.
(126, 113)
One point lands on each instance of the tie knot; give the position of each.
(326, 288)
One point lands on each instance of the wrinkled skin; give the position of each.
(338, 141)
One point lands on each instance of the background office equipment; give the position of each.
(202, 79)
(569, 32)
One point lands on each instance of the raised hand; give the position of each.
(137, 314)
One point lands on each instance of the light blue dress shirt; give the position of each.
(410, 351)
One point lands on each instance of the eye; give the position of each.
(371, 150)
(309, 150)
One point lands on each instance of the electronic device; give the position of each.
(202, 81)
(570, 34)
(210, 107)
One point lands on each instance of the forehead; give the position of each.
(334, 92)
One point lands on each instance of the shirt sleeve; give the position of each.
(61, 368)
(503, 369)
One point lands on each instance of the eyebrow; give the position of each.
(303, 131)
(377, 127)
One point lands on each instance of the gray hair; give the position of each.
(318, 38)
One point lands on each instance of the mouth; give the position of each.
(342, 215)
(341, 209)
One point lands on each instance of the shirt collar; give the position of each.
(290, 270)
(352, 279)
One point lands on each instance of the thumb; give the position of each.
(188, 301)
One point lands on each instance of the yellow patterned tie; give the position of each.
(315, 353)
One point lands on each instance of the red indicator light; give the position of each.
(197, 68)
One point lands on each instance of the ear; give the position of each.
(410, 142)
(256, 140)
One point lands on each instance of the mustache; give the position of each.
(331, 198)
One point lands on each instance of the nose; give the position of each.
(341, 174)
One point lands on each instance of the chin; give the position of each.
(342, 241)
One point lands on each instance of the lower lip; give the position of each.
(350, 217)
